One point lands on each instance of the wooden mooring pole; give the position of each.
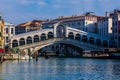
(1, 58)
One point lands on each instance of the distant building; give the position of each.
(105, 26)
(115, 15)
(28, 26)
(9, 32)
(85, 22)
(1, 34)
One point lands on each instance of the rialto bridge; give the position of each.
(59, 34)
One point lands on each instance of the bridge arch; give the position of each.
(98, 42)
(91, 40)
(60, 30)
(22, 41)
(71, 35)
(84, 38)
(14, 43)
(29, 40)
(43, 36)
(105, 43)
(78, 37)
(36, 38)
(50, 35)
(68, 43)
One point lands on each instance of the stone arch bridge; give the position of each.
(60, 33)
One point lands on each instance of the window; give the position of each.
(83, 29)
(7, 30)
(0, 34)
(113, 23)
(72, 24)
(78, 23)
(0, 18)
(115, 30)
(83, 23)
(11, 30)
(116, 23)
(7, 40)
(86, 29)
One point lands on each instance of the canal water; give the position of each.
(61, 69)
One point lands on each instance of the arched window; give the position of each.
(98, 42)
(29, 40)
(60, 31)
(91, 40)
(43, 36)
(71, 35)
(84, 38)
(22, 41)
(50, 35)
(105, 44)
(14, 43)
(78, 37)
(36, 38)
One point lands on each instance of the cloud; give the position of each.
(23, 10)
(25, 2)
(29, 2)
(42, 3)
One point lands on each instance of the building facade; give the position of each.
(28, 27)
(85, 22)
(1, 34)
(9, 32)
(115, 15)
(105, 26)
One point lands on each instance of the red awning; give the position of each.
(1, 50)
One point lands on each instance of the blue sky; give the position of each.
(18, 11)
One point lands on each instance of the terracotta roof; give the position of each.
(39, 21)
(24, 24)
(72, 18)
(33, 23)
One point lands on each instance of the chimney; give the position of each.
(106, 14)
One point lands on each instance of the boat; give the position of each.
(46, 57)
(114, 55)
(26, 57)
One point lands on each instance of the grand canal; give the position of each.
(61, 69)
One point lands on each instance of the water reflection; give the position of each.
(61, 69)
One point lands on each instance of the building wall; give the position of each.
(19, 30)
(105, 26)
(85, 23)
(115, 28)
(1, 32)
(9, 32)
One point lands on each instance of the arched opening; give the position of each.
(22, 41)
(29, 40)
(84, 38)
(91, 40)
(71, 35)
(98, 42)
(50, 35)
(78, 37)
(14, 43)
(105, 43)
(60, 31)
(36, 38)
(43, 36)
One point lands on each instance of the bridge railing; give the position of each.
(85, 44)
(65, 40)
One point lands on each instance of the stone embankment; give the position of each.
(13, 57)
